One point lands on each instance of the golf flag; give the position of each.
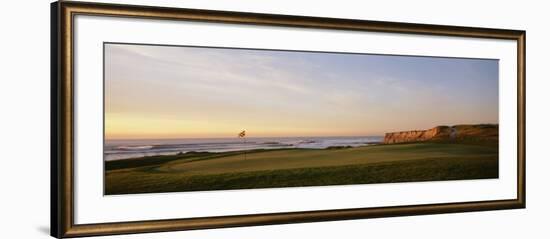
(242, 134)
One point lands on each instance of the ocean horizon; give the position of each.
(115, 149)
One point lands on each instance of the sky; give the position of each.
(155, 92)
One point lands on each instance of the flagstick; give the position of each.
(242, 134)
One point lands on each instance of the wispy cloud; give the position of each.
(289, 90)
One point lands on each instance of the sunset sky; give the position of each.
(193, 92)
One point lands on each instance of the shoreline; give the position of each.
(248, 137)
(240, 151)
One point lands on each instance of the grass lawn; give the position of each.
(302, 167)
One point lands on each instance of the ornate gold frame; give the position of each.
(62, 184)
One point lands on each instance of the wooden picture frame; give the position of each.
(62, 118)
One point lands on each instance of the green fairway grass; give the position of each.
(200, 171)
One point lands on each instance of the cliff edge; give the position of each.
(445, 133)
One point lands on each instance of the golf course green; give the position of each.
(202, 171)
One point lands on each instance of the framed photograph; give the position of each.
(170, 119)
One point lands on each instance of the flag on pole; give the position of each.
(241, 135)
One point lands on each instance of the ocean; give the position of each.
(122, 149)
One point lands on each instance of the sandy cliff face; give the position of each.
(457, 132)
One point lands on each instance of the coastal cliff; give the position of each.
(445, 133)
